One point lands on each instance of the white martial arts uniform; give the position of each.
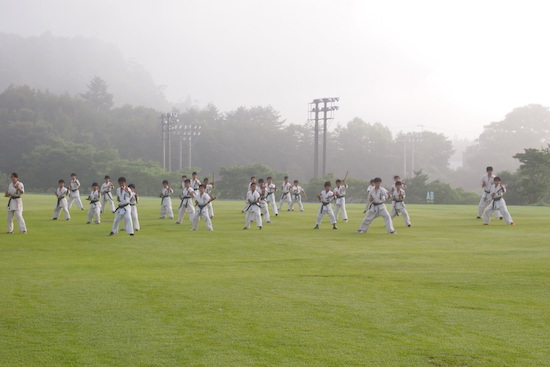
(270, 198)
(186, 205)
(377, 208)
(123, 212)
(195, 183)
(95, 207)
(253, 209)
(75, 194)
(133, 208)
(201, 211)
(296, 196)
(285, 196)
(208, 189)
(61, 204)
(264, 208)
(340, 202)
(166, 203)
(15, 207)
(497, 203)
(487, 183)
(326, 198)
(368, 193)
(398, 206)
(106, 195)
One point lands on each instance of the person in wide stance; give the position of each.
(376, 199)
(497, 203)
(61, 194)
(398, 203)
(123, 212)
(325, 197)
(15, 203)
(202, 199)
(253, 209)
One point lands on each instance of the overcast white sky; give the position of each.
(451, 66)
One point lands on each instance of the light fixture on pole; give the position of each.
(168, 124)
(328, 108)
(190, 132)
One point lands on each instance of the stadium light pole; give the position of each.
(328, 114)
(190, 131)
(168, 125)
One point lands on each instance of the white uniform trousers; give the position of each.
(18, 214)
(201, 212)
(123, 214)
(94, 211)
(325, 209)
(296, 199)
(271, 201)
(166, 208)
(107, 198)
(264, 208)
(377, 211)
(341, 205)
(187, 207)
(210, 209)
(75, 197)
(135, 217)
(483, 203)
(285, 198)
(399, 207)
(253, 214)
(61, 205)
(497, 206)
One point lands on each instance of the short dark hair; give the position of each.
(94, 184)
(14, 174)
(201, 185)
(194, 173)
(296, 181)
(187, 180)
(132, 186)
(61, 181)
(107, 176)
(205, 179)
(286, 176)
(497, 179)
(269, 178)
(327, 183)
(260, 180)
(398, 183)
(377, 179)
(165, 182)
(73, 174)
(122, 179)
(489, 168)
(338, 180)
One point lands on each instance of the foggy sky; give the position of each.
(449, 66)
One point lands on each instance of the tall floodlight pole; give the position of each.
(168, 124)
(328, 114)
(190, 132)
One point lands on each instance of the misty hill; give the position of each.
(66, 65)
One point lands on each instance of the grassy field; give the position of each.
(446, 292)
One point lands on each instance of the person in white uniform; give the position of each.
(340, 202)
(95, 205)
(377, 197)
(296, 192)
(106, 195)
(195, 182)
(61, 194)
(325, 197)
(253, 212)
(497, 203)
(208, 187)
(486, 184)
(270, 199)
(15, 203)
(186, 204)
(285, 196)
(264, 208)
(371, 186)
(74, 196)
(123, 211)
(398, 203)
(133, 207)
(201, 200)
(166, 201)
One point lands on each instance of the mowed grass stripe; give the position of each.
(446, 292)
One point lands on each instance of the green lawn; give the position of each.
(446, 292)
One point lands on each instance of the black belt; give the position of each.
(488, 192)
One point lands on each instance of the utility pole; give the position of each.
(328, 114)
(168, 125)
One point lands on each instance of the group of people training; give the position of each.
(196, 201)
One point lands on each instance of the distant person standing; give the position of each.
(285, 196)
(15, 203)
(201, 200)
(497, 203)
(186, 204)
(208, 187)
(95, 205)
(74, 196)
(123, 212)
(166, 201)
(340, 198)
(487, 181)
(133, 206)
(325, 197)
(253, 211)
(398, 203)
(61, 193)
(296, 191)
(195, 182)
(106, 195)
(376, 199)
(270, 199)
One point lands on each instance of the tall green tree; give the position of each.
(98, 95)
(535, 173)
